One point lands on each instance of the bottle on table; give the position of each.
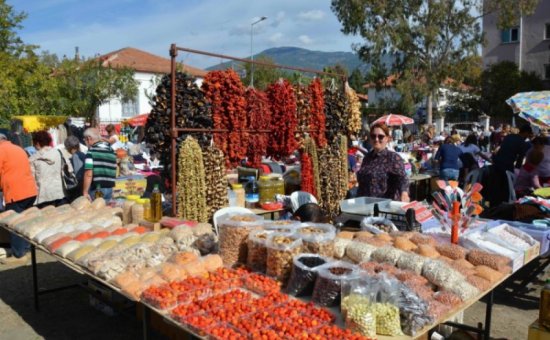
(252, 193)
(267, 190)
(146, 208)
(98, 193)
(156, 204)
(544, 308)
(238, 195)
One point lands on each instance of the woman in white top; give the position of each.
(46, 168)
(112, 137)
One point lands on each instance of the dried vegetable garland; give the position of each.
(259, 118)
(343, 176)
(335, 112)
(308, 184)
(192, 111)
(311, 149)
(317, 122)
(191, 182)
(303, 112)
(353, 110)
(215, 181)
(282, 101)
(226, 93)
(332, 178)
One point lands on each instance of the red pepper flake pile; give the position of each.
(317, 117)
(259, 116)
(282, 141)
(226, 93)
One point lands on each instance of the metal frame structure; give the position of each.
(175, 131)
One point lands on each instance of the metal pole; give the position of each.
(173, 131)
(252, 50)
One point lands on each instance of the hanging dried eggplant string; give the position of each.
(226, 93)
(282, 141)
(335, 111)
(259, 116)
(353, 110)
(308, 184)
(215, 181)
(311, 149)
(344, 174)
(329, 168)
(192, 111)
(191, 182)
(317, 117)
(303, 112)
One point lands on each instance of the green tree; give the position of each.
(263, 75)
(431, 40)
(333, 80)
(357, 81)
(501, 81)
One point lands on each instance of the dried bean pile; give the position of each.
(353, 110)
(335, 112)
(259, 118)
(317, 123)
(226, 93)
(497, 262)
(192, 111)
(216, 188)
(282, 141)
(191, 182)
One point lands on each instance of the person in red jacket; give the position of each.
(17, 183)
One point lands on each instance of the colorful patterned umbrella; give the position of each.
(393, 120)
(533, 106)
(139, 120)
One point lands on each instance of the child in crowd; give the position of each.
(528, 178)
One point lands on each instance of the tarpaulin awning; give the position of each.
(37, 123)
(139, 120)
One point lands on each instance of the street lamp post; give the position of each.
(251, 49)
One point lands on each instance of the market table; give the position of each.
(416, 179)
(259, 211)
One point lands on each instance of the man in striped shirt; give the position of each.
(100, 166)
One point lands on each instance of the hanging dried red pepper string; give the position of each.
(226, 93)
(317, 116)
(259, 116)
(282, 141)
(308, 184)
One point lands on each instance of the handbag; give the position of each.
(70, 182)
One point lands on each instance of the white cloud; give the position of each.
(277, 20)
(304, 39)
(314, 14)
(277, 37)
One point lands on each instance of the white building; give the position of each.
(148, 69)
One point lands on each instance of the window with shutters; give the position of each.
(130, 108)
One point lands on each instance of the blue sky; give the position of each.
(222, 26)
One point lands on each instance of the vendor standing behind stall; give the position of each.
(100, 166)
(382, 172)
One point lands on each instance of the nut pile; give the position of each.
(360, 315)
(233, 238)
(191, 182)
(257, 250)
(280, 252)
(216, 189)
(387, 319)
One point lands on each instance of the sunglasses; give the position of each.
(379, 137)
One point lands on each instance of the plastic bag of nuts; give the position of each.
(304, 273)
(281, 226)
(281, 249)
(257, 250)
(330, 276)
(233, 234)
(317, 238)
(497, 262)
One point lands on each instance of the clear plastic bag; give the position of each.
(359, 251)
(233, 234)
(330, 276)
(318, 238)
(388, 300)
(358, 298)
(377, 225)
(281, 249)
(257, 250)
(340, 245)
(411, 262)
(441, 274)
(387, 255)
(413, 312)
(304, 273)
(281, 226)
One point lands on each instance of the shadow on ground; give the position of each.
(65, 314)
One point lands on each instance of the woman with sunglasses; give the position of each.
(382, 172)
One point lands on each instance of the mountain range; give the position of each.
(304, 58)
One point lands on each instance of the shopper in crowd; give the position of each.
(77, 160)
(382, 172)
(539, 144)
(527, 179)
(100, 166)
(112, 137)
(509, 156)
(397, 135)
(46, 166)
(19, 188)
(310, 212)
(448, 156)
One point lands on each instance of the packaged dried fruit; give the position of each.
(233, 234)
(257, 250)
(317, 238)
(304, 273)
(281, 248)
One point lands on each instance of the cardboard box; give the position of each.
(537, 332)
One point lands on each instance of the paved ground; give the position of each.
(67, 314)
